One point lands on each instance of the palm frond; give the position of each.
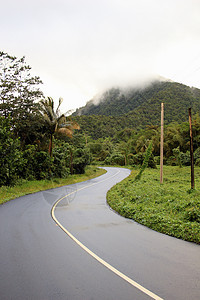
(65, 131)
(61, 119)
(76, 125)
(58, 123)
(57, 110)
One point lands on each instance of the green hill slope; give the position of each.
(120, 108)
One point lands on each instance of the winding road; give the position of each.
(67, 244)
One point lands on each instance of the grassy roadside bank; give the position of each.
(29, 187)
(171, 208)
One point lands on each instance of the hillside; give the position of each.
(132, 108)
(118, 101)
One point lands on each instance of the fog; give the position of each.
(80, 48)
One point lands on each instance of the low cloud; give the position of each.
(80, 48)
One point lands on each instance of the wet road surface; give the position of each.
(38, 260)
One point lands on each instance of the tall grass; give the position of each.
(171, 208)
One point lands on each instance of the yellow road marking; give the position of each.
(103, 262)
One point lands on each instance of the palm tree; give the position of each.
(57, 122)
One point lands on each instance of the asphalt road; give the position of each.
(39, 260)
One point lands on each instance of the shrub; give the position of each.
(138, 159)
(185, 158)
(43, 165)
(81, 158)
(115, 158)
(179, 158)
(60, 160)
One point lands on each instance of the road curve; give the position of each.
(38, 260)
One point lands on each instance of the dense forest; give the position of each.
(38, 142)
(128, 146)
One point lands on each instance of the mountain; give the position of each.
(118, 108)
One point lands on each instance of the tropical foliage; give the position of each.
(128, 146)
(32, 127)
(39, 142)
(27, 122)
(57, 123)
(130, 120)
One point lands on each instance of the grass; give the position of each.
(29, 187)
(171, 208)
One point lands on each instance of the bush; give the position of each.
(185, 158)
(81, 158)
(60, 161)
(180, 159)
(28, 171)
(37, 164)
(115, 158)
(138, 159)
(171, 161)
(95, 147)
(43, 165)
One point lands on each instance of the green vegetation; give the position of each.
(136, 108)
(19, 94)
(41, 148)
(171, 208)
(128, 146)
(27, 122)
(28, 187)
(57, 122)
(145, 162)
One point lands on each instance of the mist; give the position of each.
(126, 87)
(81, 48)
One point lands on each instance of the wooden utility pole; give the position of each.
(161, 143)
(191, 150)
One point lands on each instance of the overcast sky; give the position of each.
(80, 47)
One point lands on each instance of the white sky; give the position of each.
(80, 47)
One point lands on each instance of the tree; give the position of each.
(56, 122)
(173, 138)
(19, 94)
(11, 160)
